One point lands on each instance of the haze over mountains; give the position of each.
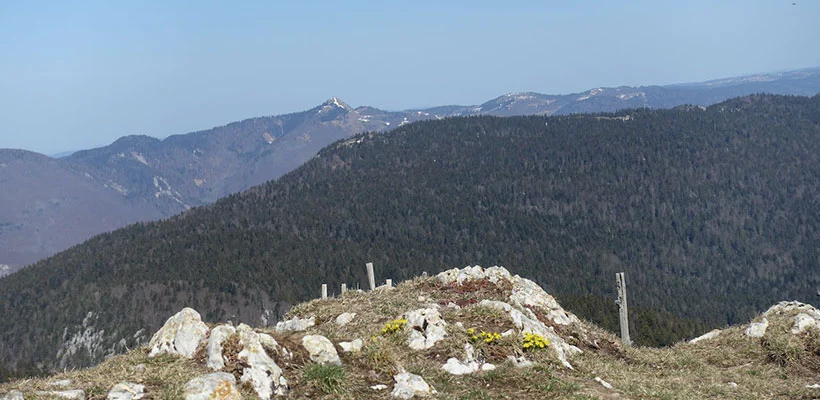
(51, 204)
(711, 212)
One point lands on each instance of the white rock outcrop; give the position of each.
(604, 383)
(264, 375)
(425, 328)
(757, 329)
(468, 365)
(321, 350)
(216, 360)
(75, 394)
(410, 385)
(706, 336)
(807, 317)
(218, 385)
(269, 343)
(181, 334)
(805, 321)
(525, 293)
(525, 297)
(344, 318)
(527, 322)
(126, 391)
(353, 346)
(12, 395)
(295, 324)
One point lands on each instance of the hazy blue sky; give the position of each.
(80, 74)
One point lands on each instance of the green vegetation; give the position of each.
(712, 214)
(329, 378)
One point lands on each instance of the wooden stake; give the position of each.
(389, 283)
(344, 288)
(324, 290)
(371, 277)
(620, 280)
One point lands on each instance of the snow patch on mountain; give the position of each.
(593, 92)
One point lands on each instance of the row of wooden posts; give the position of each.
(620, 281)
(371, 279)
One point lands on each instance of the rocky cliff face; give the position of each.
(465, 332)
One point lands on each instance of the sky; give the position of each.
(80, 74)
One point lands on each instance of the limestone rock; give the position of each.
(456, 367)
(295, 324)
(354, 346)
(321, 350)
(12, 395)
(75, 394)
(604, 383)
(520, 362)
(757, 329)
(425, 327)
(374, 387)
(262, 372)
(181, 334)
(525, 293)
(126, 391)
(61, 383)
(268, 342)
(216, 361)
(706, 336)
(218, 385)
(466, 366)
(344, 318)
(788, 306)
(527, 322)
(410, 385)
(804, 321)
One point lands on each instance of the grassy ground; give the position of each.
(732, 366)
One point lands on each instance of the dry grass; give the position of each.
(777, 366)
(164, 376)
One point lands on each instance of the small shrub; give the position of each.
(329, 378)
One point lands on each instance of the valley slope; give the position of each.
(711, 212)
(139, 178)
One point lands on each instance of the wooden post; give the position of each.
(389, 283)
(371, 277)
(324, 290)
(344, 288)
(620, 280)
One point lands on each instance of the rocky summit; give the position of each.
(464, 333)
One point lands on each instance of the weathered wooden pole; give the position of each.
(389, 282)
(620, 280)
(324, 290)
(371, 277)
(344, 288)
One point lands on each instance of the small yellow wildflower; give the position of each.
(486, 337)
(394, 326)
(534, 341)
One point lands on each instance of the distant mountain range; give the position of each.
(49, 204)
(713, 213)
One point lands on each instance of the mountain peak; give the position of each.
(336, 102)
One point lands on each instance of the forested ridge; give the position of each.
(713, 215)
